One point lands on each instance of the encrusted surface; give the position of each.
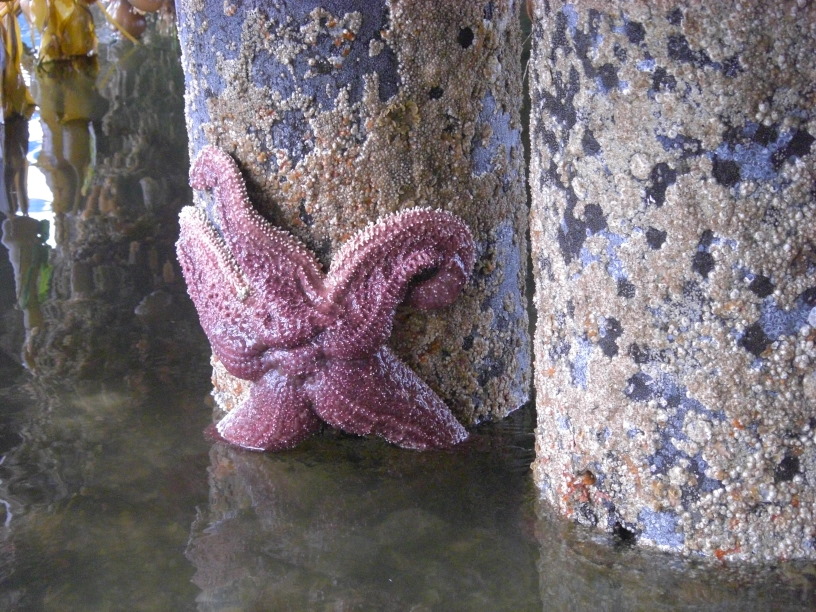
(673, 248)
(341, 115)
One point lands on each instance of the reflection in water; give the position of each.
(98, 485)
(109, 300)
(25, 239)
(585, 570)
(101, 456)
(349, 524)
(14, 196)
(68, 104)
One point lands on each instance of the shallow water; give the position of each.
(112, 499)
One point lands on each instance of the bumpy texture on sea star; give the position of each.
(314, 344)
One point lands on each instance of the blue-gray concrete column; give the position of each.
(341, 112)
(673, 247)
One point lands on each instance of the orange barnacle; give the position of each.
(578, 487)
(722, 553)
(585, 478)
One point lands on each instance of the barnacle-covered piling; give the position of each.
(341, 113)
(673, 247)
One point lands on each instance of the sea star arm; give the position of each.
(284, 274)
(218, 291)
(421, 256)
(381, 395)
(275, 416)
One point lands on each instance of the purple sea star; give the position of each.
(313, 345)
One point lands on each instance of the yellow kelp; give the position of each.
(15, 96)
(66, 27)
